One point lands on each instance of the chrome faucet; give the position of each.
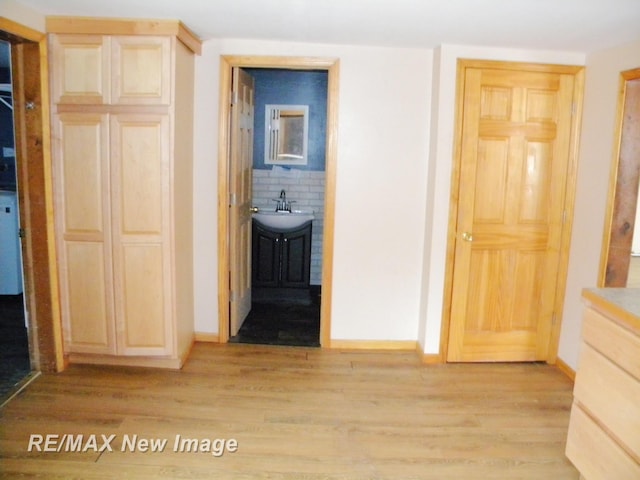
(283, 205)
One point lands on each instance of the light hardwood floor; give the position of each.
(299, 413)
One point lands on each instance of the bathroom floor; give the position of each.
(14, 345)
(281, 321)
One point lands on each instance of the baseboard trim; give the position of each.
(566, 369)
(207, 337)
(431, 358)
(405, 345)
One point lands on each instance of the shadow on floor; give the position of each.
(281, 321)
(14, 345)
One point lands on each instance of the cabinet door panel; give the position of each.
(141, 70)
(141, 197)
(296, 254)
(142, 320)
(81, 174)
(265, 264)
(89, 316)
(81, 69)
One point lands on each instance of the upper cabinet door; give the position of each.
(141, 70)
(80, 69)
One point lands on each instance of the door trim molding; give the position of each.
(578, 74)
(331, 65)
(617, 190)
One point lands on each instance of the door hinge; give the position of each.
(233, 199)
(234, 98)
(21, 233)
(553, 318)
(564, 217)
(232, 296)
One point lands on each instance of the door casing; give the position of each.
(227, 63)
(578, 73)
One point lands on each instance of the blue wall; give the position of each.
(292, 87)
(7, 164)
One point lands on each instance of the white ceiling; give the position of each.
(569, 25)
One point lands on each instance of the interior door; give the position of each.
(240, 172)
(516, 129)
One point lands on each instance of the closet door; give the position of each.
(141, 201)
(81, 175)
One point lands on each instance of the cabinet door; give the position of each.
(296, 258)
(141, 70)
(265, 252)
(80, 66)
(81, 173)
(141, 201)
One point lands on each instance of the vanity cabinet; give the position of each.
(603, 440)
(122, 129)
(281, 258)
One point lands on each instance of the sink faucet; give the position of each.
(283, 205)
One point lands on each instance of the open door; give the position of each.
(240, 172)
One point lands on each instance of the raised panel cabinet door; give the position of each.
(81, 71)
(266, 256)
(141, 70)
(296, 255)
(516, 132)
(141, 204)
(82, 217)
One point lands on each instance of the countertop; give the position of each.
(623, 303)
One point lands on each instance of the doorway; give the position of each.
(15, 363)
(619, 264)
(30, 102)
(288, 162)
(227, 267)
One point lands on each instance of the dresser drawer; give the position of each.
(612, 340)
(594, 453)
(610, 395)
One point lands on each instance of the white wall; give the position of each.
(440, 162)
(596, 153)
(384, 97)
(22, 15)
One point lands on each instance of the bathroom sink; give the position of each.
(283, 220)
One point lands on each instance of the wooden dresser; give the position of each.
(604, 430)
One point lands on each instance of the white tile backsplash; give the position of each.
(306, 189)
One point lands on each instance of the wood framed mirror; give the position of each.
(620, 263)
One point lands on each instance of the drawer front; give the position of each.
(611, 396)
(613, 341)
(595, 454)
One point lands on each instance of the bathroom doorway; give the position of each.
(228, 266)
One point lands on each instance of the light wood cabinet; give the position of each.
(603, 440)
(122, 124)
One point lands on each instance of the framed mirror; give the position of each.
(286, 134)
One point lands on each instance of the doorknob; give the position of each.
(253, 209)
(467, 237)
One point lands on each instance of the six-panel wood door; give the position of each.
(516, 130)
(240, 201)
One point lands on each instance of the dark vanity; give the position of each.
(281, 258)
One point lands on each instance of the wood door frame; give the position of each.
(331, 65)
(618, 190)
(578, 73)
(33, 161)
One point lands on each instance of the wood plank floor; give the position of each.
(297, 413)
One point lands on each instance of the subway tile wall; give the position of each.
(306, 189)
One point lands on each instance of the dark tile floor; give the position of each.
(281, 321)
(14, 344)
